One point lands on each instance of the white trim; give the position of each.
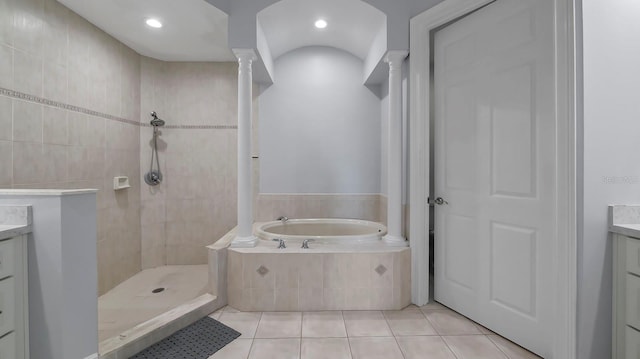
(565, 252)
(394, 235)
(92, 356)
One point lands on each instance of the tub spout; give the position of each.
(281, 245)
(282, 219)
(305, 243)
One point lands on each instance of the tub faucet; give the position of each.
(281, 245)
(282, 219)
(305, 243)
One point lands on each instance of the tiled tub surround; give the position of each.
(370, 207)
(334, 277)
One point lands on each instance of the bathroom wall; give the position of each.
(319, 126)
(319, 139)
(69, 106)
(195, 205)
(610, 166)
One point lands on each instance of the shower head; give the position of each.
(156, 122)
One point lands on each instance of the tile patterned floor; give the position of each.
(432, 331)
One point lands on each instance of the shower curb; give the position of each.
(154, 330)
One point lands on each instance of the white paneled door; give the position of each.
(494, 165)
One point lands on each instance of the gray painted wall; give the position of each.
(319, 126)
(611, 158)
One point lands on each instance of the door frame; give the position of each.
(564, 257)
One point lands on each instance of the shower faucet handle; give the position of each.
(305, 243)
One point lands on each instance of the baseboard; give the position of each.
(92, 356)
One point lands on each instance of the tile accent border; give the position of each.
(43, 101)
(195, 127)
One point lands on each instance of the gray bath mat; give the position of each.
(197, 341)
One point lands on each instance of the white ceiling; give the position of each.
(352, 25)
(193, 30)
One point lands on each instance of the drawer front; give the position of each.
(8, 346)
(632, 350)
(633, 256)
(633, 301)
(7, 306)
(7, 255)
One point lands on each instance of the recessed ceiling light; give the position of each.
(321, 24)
(155, 23)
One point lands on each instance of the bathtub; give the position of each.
(324, 231)
(347, 267)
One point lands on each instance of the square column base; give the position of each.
(244, 242)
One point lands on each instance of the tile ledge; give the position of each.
(155, 329)
(45, 192)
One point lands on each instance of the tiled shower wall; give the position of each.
(69, 106)
(195, 205)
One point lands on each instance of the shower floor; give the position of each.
(133, 302)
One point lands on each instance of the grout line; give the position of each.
(393, 335)
(250, 348)
(448, 347)
(497, 346)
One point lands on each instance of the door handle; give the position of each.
(439, 201)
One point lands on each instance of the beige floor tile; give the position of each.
(245, 323)
(275, 349)
(280, 325)
(216, 315)
(484, 330)
(366, 324)
(409, 322)
(375, 348)
(433, 305)
(323, 348)
(473, 347)
(420, 347)
(237, 349)
(323, 325)
(448, 322)
(512, 350)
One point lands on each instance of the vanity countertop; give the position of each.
(625, 220)
(13, 230)
(14, 220)
(631, 230)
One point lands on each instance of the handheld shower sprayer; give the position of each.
(154, 176)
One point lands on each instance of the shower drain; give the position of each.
(157, 290)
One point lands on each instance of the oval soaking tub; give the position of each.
(323, 230)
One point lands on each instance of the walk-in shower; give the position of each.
(154, 176)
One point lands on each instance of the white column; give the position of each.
(394, 150)
(244, 235)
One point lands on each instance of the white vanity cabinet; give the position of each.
(14, 317)
(626, 297)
